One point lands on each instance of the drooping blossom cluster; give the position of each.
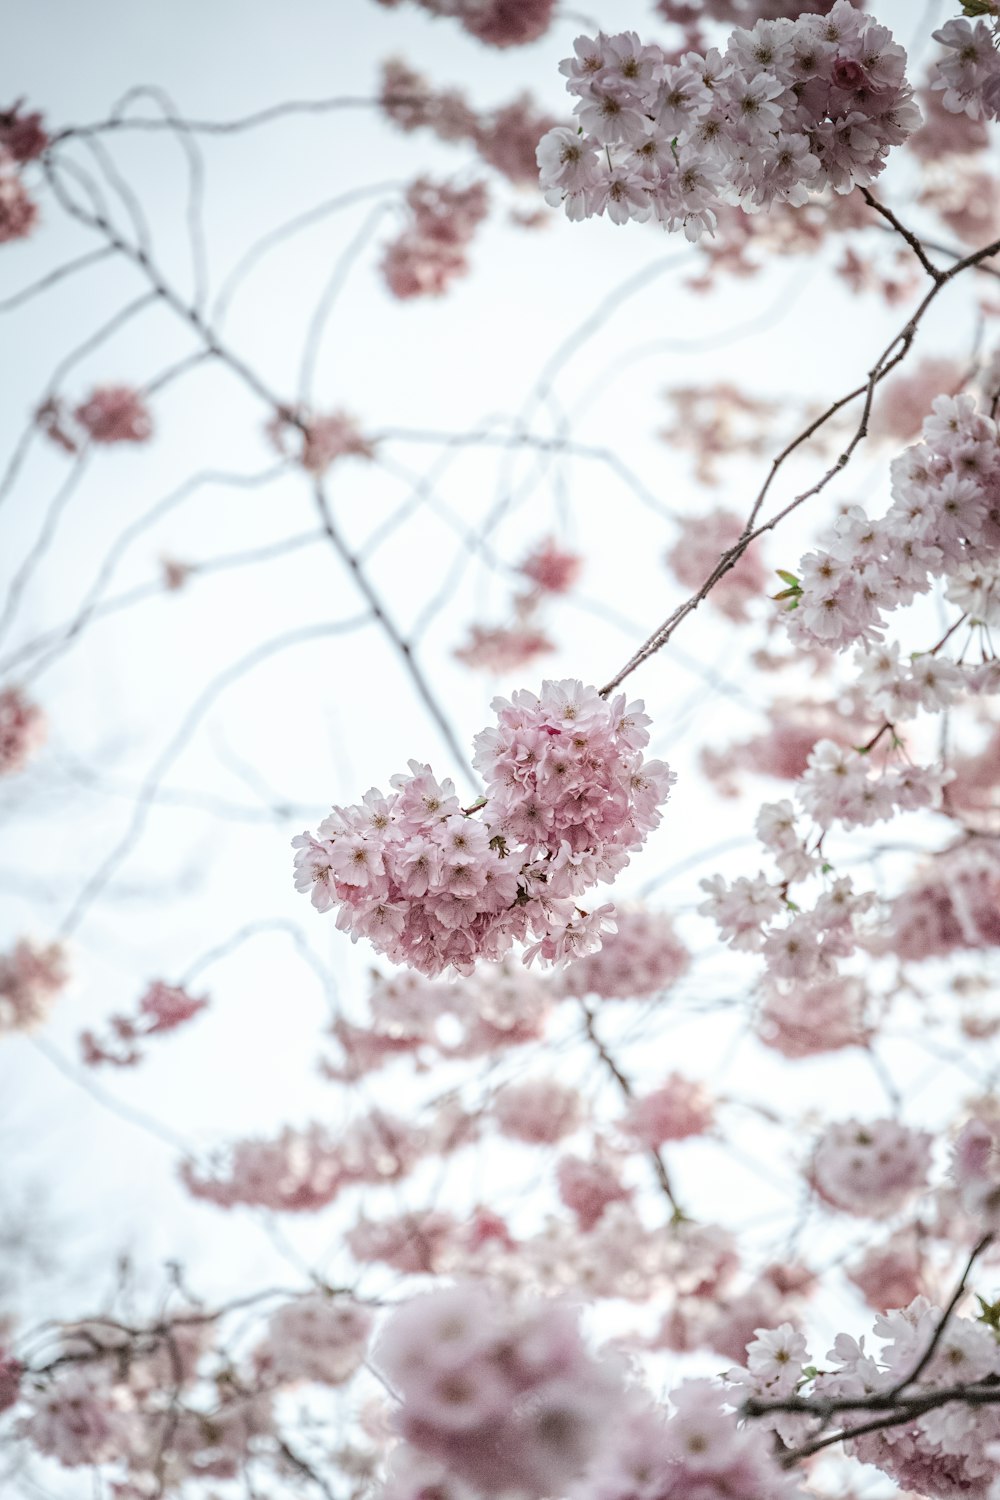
(568, 797)
(23, 729)
(969, 72)
(31, 977)
(317, 441)
(505, 138)
(430, 251)
(871, 1168)
(162, 1008)
(498, 23)
(791, 107)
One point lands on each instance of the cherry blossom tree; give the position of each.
(618, 1118)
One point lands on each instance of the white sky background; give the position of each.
(322, 722)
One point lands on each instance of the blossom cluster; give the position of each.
(791, 107)
(23, 729)
(110, 414)
(969, 73)
(942, 523)
(31, 977)
(430, 251)
(314, 1338)
(299, 1171)
(23, 138)
(952, 905)
(568, 797)
(944, 1451)
(315, 441)
(504, 1397)
(872, 1168)
(162, 1008)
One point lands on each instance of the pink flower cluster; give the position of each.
(162, 1008)
(115, 414)
(430, 252)
(791, 108)
(969, 73)
(498, 23)
(696, 553)
(870, 1169)
(568, 798)
(82, 1417)
(22, 135)
(316, 1338)
(505, 1398)
(31, 977)
(948, 1452)
(23, 729)
(699, 1453)
(825, 1017)
(891, 1274)
(955, 905)
(315, 442)
(839, 786)
(677, 1109)
(539, 1111)
(944, 515)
